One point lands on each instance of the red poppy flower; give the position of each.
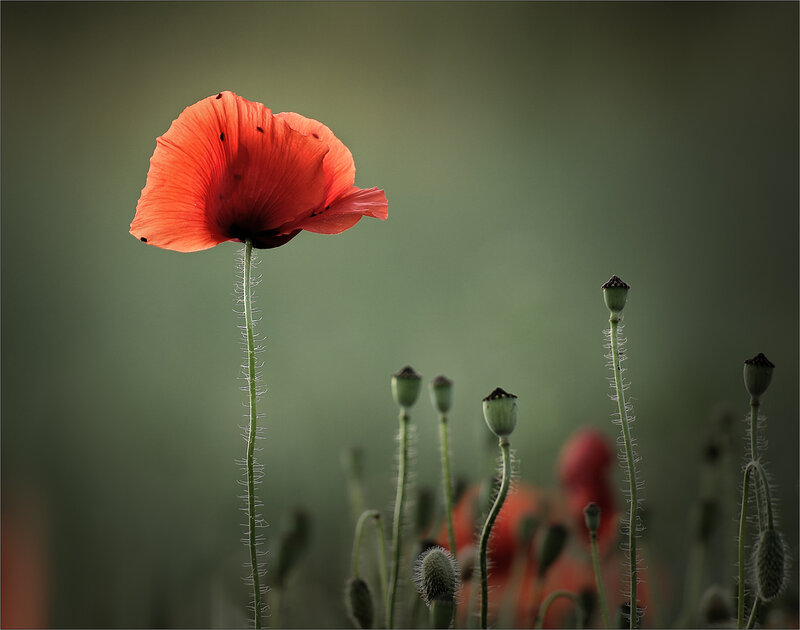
(230, 170)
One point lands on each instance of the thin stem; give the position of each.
(598, 578)
(505, 448)
(382, 559)
(626, 436)
(551, 598)
(397, 523)
(755, 403)
(751, 621)
(251, 436)
(740, 560)
(357, 539)
(447, 483)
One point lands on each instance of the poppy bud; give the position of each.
(770, 559)
(500, 412)
(757, 374)
(526, 530)
(714, 608)
(551, 547)
(436, 575)
(405, 387)
(442, 393)
(707, 515)
(592, 515)
(359, 603)
(615, 293)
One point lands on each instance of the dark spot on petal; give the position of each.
(143, 239)
(316, 135)
(219, 96)
(221, 197)
(237, 176)
(222, 136)
(259, 129)
(327, 207)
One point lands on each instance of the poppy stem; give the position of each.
(251, 436)
(505, 449)
(598, 578)
(397, 523)
(447, 483)
(631, 467)
(555, 595)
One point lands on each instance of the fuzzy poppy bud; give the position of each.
(592, 515)
(551, 546)
(500, 412)
(770, 560)
(405, 387)
(359, 602)
(436, 575)
(442, 393)
(714, 608)
(707, 515)
(757, 374)
(615, 294)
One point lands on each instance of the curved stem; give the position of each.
(397, 523)
(357, 539)
(505, 448)
(551, 598)
(740, 558)
(751, 621)
(626, 436)
(598, 578)
(755, 403)
(382, 559)
(251, 436)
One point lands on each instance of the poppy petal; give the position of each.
(227, 169)
(340, 170)
(346, 211)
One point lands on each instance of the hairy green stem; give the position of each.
(551, 598)
(397, 523)
(755, 403)
(251, 436)
(626, 436)
(357, 539)
(505, 448)
(598, 578)
(447, 483)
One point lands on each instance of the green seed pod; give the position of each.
(757, 375)
(770, 561)
(592, 515)
(441, 613)
(615, 294)
(500, 412)
(359, 603)
(405, 387)
(551, 546)
(442, 394)
(714, 607)
(436, 575)
(526, 530)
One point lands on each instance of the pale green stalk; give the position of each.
(626, 436)
(251, 436)
(598, 578)
(551, 598)
(397, 523)
(447, 483)
(505, 448)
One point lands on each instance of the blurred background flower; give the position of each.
(529, 151)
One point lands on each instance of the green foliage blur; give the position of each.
(528, 151)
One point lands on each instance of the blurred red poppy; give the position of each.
(230, 170)
(584, 472)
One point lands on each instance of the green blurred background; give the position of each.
(528, 152)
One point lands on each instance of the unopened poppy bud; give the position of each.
(436, 575)
(526, 530)
(714, 608)
(405, 387)
(551, 546)
(757, 374)
(442, 393)
(615, 294)
(293, 544)
(500, 412)
(770, 559)
(707, 516)
(359, 603)
(592, 515)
